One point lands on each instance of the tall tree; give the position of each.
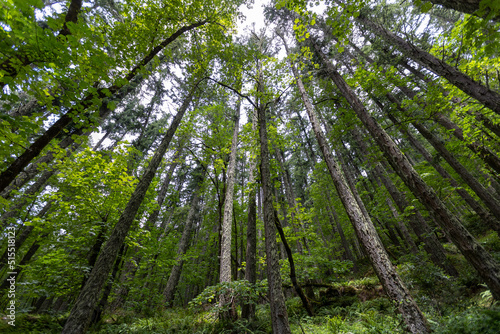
(393, 285)
(83, 309)
(225, 266)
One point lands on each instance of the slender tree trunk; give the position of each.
(225, 261)
(162, 193)
(279, 315)
(248, 310)
(81, 312)
(293, 275)
(175, 274)
(481, 260)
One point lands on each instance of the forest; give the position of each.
(164, 170)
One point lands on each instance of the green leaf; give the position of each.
(426, 7)
(112, 105)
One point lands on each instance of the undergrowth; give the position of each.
(452, 306)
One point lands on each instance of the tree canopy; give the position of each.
(157, 161)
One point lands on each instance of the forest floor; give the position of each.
(344, 314)
(348, 305)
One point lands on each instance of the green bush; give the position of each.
(472, 321)
(33, 324)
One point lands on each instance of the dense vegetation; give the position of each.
(335, 172)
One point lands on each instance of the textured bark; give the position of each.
(225, 259)
(392, 283)
(480, 259)
(279, 315)
(81, 312)
(175, 274)
(71, 16)
(16, 167)
(248, 310)
(483, 94)
(103, 302)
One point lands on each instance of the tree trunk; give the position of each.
(469, 7)
(279, 315)
(175, 274)
(81, 312)
(225, 260)
(293, 275)
(248, 310)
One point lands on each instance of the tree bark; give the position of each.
(248, 310)
(225, 260)
(279, 314)
(468, 7)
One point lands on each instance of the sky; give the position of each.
(254, 15)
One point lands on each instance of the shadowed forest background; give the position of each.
(163, 170)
